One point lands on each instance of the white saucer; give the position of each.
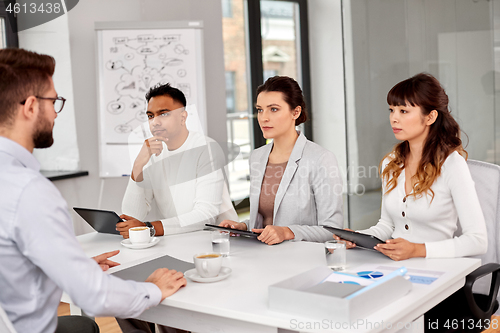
(127, 243)
(193, 275)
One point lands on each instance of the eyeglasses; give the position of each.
(57, 101)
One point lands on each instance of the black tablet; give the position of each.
(361, 240)
(103, 221)
(235, 231)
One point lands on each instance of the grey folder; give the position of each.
(142, 271)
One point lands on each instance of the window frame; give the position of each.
(257, 67)
(11, 23)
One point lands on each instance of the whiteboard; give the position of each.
(132, 57)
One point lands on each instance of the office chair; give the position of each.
(5, 324)
(470, 308)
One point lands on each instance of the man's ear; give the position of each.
(184, 116)
(29, 109)
(297, 111)
(431, 117)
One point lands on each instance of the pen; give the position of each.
(398, 272)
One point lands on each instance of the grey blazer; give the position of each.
(309, 195)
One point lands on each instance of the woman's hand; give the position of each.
(233, 225)
(401, 249)
(348, 244)
(273, 234)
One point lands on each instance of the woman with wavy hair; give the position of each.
(427, 186)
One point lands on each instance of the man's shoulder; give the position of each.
(205, 144)
(199, 139)
(20, 184)
(16, 176)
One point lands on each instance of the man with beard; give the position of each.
(39, 253)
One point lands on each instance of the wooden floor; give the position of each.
(106, 324)
(495, 322)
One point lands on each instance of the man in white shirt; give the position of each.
(181, 171)
(39, 253)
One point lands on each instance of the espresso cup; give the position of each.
(139, 235)
(208, 264)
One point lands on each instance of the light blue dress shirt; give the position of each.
(40, 255)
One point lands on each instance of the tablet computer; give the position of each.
(103, 221)
(362, 240)
(235, 231)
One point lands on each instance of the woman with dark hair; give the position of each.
(295, 185)
(427, 186)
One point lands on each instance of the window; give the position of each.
(238, 104)
(8, 26)
(276, 34)
(278, 38)
(3, 34)
(230, 92)
(269, 73)
(227, 8)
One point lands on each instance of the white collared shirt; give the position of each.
(40, 255)
(187, 185)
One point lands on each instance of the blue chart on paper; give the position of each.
(349, 282)
(422, 279)
(370, 274)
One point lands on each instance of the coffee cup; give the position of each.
(139, 235)
(208, 264)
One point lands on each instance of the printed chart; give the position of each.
(132, 58)
(366, 275)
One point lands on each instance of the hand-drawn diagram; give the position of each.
(135, 60)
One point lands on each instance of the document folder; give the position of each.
(141, 272)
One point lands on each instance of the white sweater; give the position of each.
(187, 185)
(420, 221)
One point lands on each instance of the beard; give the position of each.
(42, 138)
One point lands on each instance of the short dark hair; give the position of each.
(291, 91)
(166, 89)
(22, 74)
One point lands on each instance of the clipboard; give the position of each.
(245, 233)
(362, 240)
(103, 221)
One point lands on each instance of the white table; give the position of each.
(239, 303)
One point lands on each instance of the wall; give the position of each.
(453, 40)
(379, 56)
(52, 38)
(327, 79)
(84, 192)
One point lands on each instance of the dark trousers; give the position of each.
(76, 324)
(130, 325)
